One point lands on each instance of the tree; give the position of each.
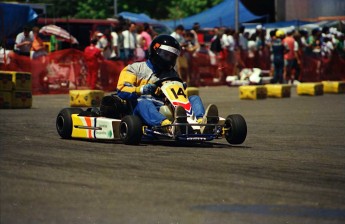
(183, 8)
(101, 9)
(153, 8)
(93, 9)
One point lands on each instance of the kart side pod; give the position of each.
(70, 125)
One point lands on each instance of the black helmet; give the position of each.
(164, 50)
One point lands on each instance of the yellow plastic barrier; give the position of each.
(333, 86)
(85, 98)
(253, 92)
(310, 88)
(278, 90)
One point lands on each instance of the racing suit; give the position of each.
(133, 78)
(93, 56)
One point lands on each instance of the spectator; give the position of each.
(263, 50)
(252, 51)
(195, 30)
(105, 43)
(269, 42)
(118, 49)
(38, 48)
(217, 48)
(146, 38)
(260, 33)
(23, 42)
(292, 60)
(340, 44)
(129, 42)
(100, 44)
(243, 45)
(178, 34)
(231, 59)
(224, 43)
(114, 37)
(327, 46)
(189, 48)
(139, 50)
(182, 63)
(304, 41)
(314, 42)
(93, 57)
(206, 50)
(278, 49)
(191, 44)
(216, 44)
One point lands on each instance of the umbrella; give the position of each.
(59, 33)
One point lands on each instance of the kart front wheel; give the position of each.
(64, 121)
(131, 130)
(236, 129)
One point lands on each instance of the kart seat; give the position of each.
(113, 106)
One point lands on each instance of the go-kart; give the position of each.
(92, 123)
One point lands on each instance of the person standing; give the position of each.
(129, 42)
(231, 59)
(243, 45)
(118, 49)
(178, 34)
(146, 38)
(181, 63)
(105, 44)
(252, 51)
(216, 44)
(93, 57)
(278, 49)
(292, 58)
(37, 47)
(23, 42)
(195, 31)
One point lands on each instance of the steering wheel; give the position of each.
(172, 78)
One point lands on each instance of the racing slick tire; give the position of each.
(236, 127)
(131, 130)
(64, 121)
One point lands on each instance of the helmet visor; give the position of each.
(167, 56)
(168, 53)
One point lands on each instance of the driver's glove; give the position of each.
(148, 89)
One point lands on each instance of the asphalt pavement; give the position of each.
(290, 169)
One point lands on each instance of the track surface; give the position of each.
(290, 169)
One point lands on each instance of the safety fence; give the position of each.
(63, 70)
(60, 71)
(311, 68)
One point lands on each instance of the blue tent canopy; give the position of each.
(222, 14)
(134, 17)
(13, 17)
(157, 25)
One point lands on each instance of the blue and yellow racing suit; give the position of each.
(131, 81)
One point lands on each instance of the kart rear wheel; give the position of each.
(64, 121)
(131, 130)
(237, 129)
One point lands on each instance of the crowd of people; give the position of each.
(281, 52)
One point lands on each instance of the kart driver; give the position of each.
(136, 85)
